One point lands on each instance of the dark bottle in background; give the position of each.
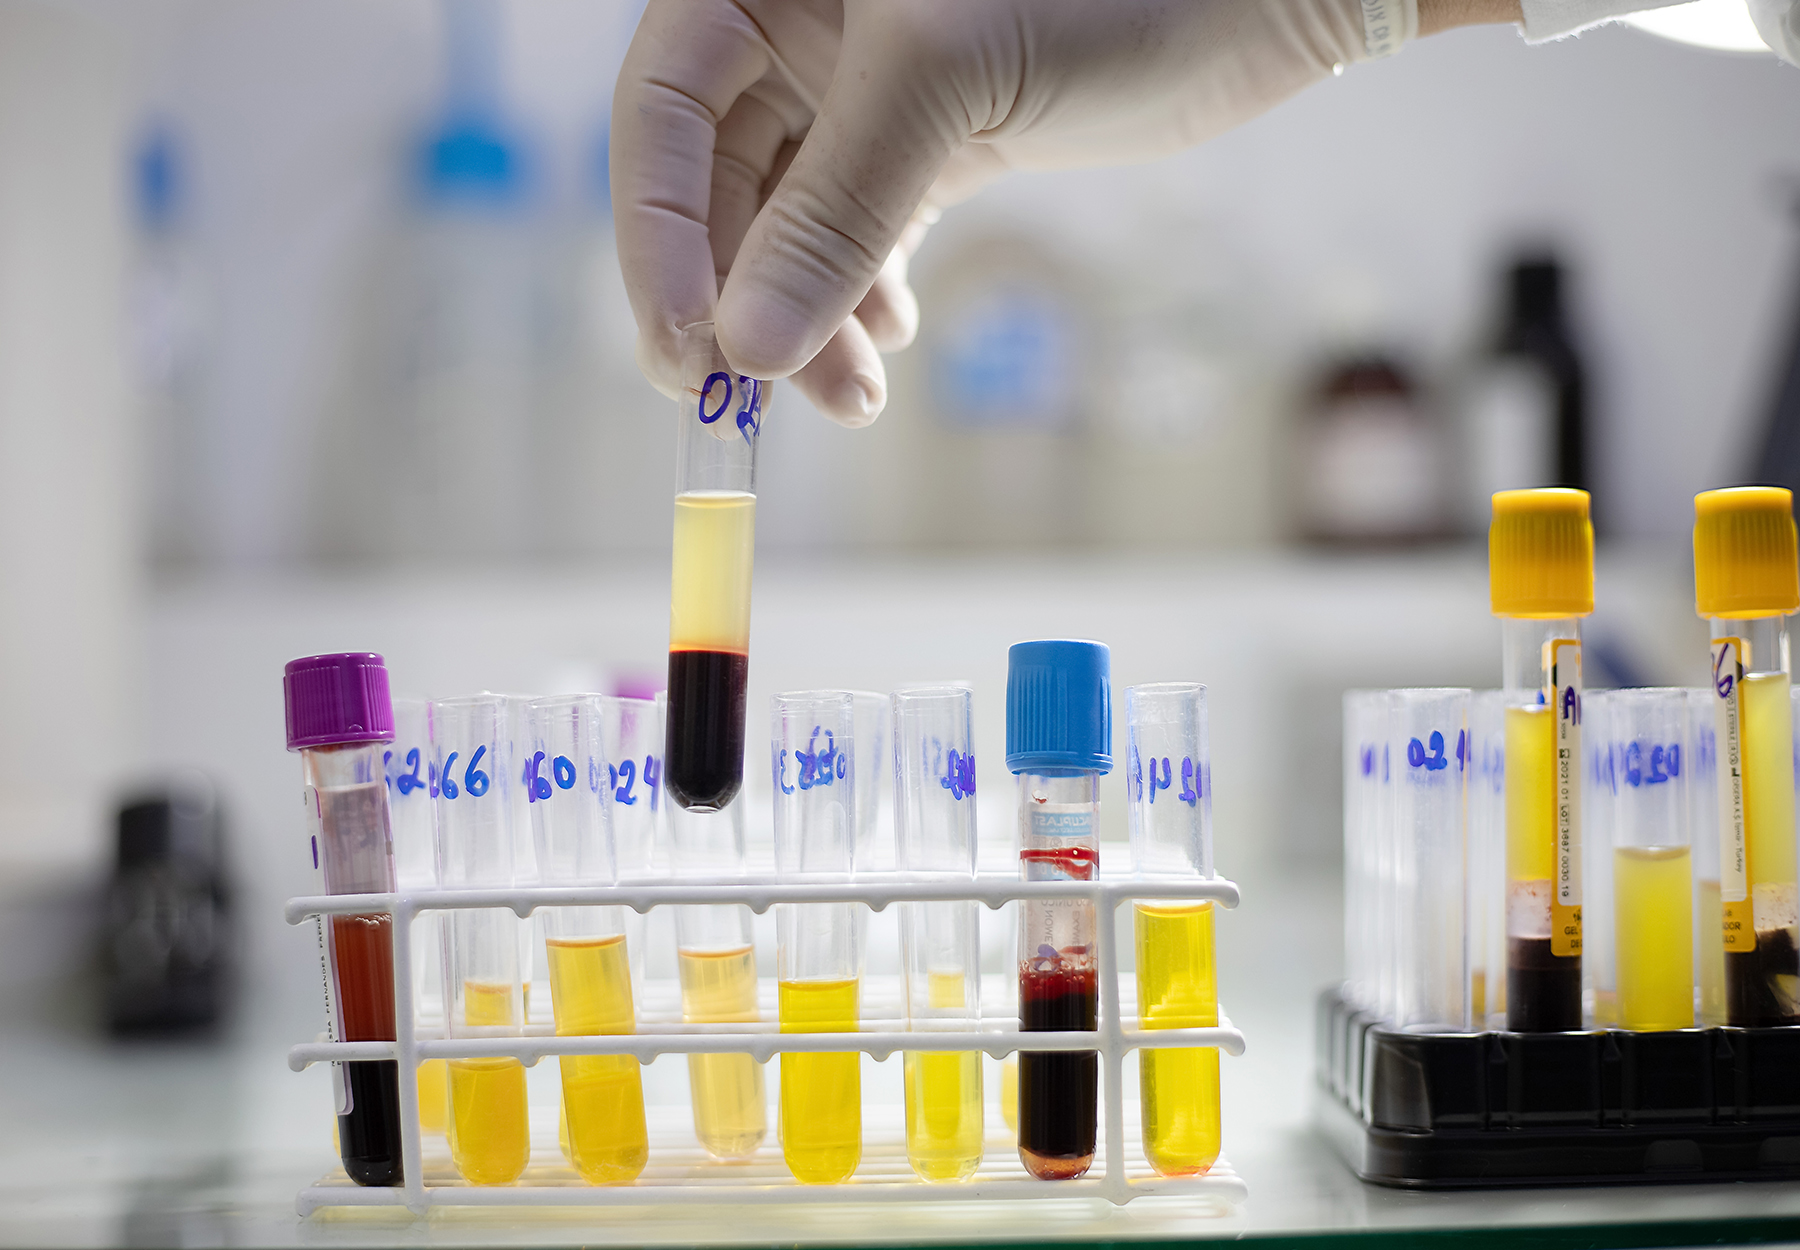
(1525, 419)
(1370, 457)
(167, 915)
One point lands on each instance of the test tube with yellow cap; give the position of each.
(1541, 582)
(1747, 583)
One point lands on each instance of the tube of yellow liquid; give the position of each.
(720, 416)
(1699, 762)
(570, 778)
(484, 993)
(1168, 782)
(935, 840)
(1653, 886)
(1541, 581)
(817, 960)
(716, 958)
(1747, 585)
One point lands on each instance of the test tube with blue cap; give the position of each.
(1058, 745)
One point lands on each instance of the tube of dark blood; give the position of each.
(1058, 744)
(339, 716)
(720, 416)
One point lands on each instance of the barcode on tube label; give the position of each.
(1565, 692)
(1727, 676)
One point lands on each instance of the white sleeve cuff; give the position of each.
(1778, 22)
(1553, 19)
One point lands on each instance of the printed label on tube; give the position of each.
(1734, 879)
(1565, 693)
(315, 837)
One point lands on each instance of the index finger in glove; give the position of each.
(687, 64)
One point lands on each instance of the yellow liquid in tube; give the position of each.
(821, 1094)
(1709, 929)
(731, 1115)
(1768, 748)
(603, 1095)
(490, 1135)
(943, 1098)
(1653, 912)
(1177, 990)
(1531, 796)
(434, 1094)
(715, 544)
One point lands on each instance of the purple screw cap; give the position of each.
(337, 699)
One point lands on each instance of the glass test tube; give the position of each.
(1699, 761)
(935, 840)
(1058, 744)
(1487, 858)
(568, 780)
(484, 990)
(339, 717)
(719, 417)
(716, 955)
(1746, 584)
(1429, 749)
(407, 764)
(1653, 887)
(1541, 579)
(1599, 807)
(817, 959)
(1169, 787)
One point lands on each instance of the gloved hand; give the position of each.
(781, 159)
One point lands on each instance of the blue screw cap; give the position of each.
(1059, 707)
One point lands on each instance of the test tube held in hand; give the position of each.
(935, 840)
(818, 963)
(1541, 583)
(339, 718)
(1168, 786)
(719, 418)
(1058, 745)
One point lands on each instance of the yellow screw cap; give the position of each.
(1541, 554)
(1744, 552)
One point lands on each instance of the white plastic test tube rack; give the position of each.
(884, 1175)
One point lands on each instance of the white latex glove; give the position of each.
(775, 162)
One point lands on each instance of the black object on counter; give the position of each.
(1498, 1109)
(167, 937)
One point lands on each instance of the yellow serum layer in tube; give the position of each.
(1762, 962)
(821, 1094)
(731, 1115)
(1177, 989)
(715, 544)
(943, 1098)
(1543, 956)
(603, 1095)
(490, 1135)
(1653, 892)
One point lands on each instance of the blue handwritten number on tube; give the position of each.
(781, 773)
(1437, 761)
(474, 780)
(724, 402)
(627, 770)
(536, 786)
(1156, 785)
(450, 790)
(959, 774)
(749, 417)
(406, 783)
(1189, 794)
(653, 778)
(563, 768)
